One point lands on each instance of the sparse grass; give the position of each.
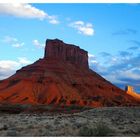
(12, 108)
(76, 107)
(99, 130)
(73, 107)
(19, 108)
(30, 126)
(138, 130)
(86, 132)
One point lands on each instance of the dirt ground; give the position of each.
(108, 121)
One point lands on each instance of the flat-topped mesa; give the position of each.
(57, 49)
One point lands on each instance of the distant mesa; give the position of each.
(62, 77)
(130, 90)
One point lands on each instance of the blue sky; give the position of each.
(109, 32)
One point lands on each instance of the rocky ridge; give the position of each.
(62, 77)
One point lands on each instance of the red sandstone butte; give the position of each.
(62, 77)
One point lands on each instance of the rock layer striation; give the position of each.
(57, 49)
(62, 77)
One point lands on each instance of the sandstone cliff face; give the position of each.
(62, 77)
(57, 49)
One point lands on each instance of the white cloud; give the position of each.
(9, 67)
(23, 61)
(53, 20)
(79, 23)
(9, 39)
(22, 10)
(114, 79)
(92, 59)
(8, 64)
(121, 68)
(130, 74)
(122, 77)
(83, 28)
(18, 45)
(91, 56)
(5, 73)
(14, 42)
(37, 44)
(25, 10)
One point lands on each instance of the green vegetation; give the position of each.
(76, 107)
(40, 108)
(12, 108)
(138, 130)
(99, 130)
(86, 131)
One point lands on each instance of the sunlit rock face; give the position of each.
(62, 77)
(130, 90)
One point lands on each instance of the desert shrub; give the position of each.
(4, 127)
(30, 126)
(12, 133)
(12, 109)
(138, 130)
(100, 130)
(86, 132)
(74, 107)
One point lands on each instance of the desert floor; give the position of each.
(107, 121)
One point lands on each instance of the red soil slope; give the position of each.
(62, 77)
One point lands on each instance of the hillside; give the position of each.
(62, 77)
